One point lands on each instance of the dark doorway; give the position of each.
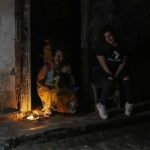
(60, 21)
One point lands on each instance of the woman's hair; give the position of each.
(108, 28)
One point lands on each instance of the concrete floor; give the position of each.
(14, 133)
(132, 137)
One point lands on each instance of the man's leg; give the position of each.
(106, 87)
(127, 90)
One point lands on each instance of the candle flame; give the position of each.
(33, 116)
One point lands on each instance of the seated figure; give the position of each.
(55, 86)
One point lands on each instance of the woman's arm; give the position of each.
(102, 62)
(121, 66)
(40, 79)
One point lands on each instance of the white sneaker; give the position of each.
(102, 111)
(128, 109)
(47, 113)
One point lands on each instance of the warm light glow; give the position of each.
(38, 128)
(35, 112)
(33, 116)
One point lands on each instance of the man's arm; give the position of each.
(102, 62)
(121, 66)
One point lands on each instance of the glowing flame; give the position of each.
(33, 116)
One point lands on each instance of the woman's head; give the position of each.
(58, 57)
(109, 35)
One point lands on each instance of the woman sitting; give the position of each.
(55, 86)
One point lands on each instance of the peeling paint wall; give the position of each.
(7, 54)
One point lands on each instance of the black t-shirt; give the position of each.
(113, 55)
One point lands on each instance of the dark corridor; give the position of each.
(58, 20)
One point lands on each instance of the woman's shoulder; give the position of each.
(45, 67)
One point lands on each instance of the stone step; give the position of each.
(10, 116)
(58, 127)
(82, 128)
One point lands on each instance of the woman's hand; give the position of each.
(57, 78)
(66, 69)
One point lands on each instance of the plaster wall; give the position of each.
(7, 54)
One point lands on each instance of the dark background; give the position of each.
(58, 20)
(131, 18)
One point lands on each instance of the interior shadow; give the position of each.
(58, 20)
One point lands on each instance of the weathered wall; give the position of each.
(7, 54)
(132, 19)
(23, 75)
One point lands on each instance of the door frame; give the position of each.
(23, 55)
